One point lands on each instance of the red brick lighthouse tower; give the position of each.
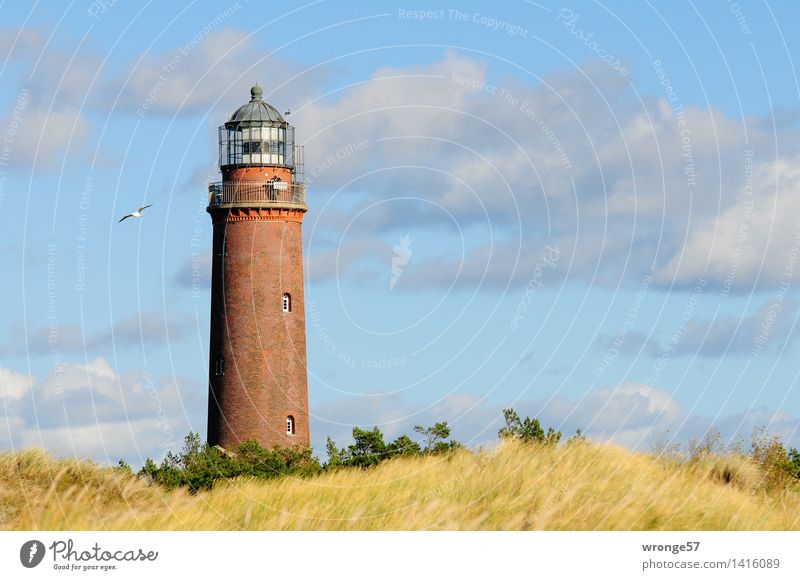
(258, 386)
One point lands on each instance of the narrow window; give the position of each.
(290, 425)
(287, 302)
(220, 367)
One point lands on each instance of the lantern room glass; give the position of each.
(256, 145)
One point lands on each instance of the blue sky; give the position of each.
(598, 205)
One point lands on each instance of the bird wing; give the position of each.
(125, 217)
(145, 207)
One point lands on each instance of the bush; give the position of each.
(370, 449)
(436, 438)
(199, 465)
(577, 437)
(778, 465)
(124, 466)
(528, 430)
(403, 446)
(794, 462)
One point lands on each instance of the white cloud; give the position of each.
(13, 386)
(629, 414)
(148, 327)
(91, 410)
(45, 137)
(104, 441)
(771, 328)
(20, 43)
(213, 71)
(573, 159)
(61, 86)
(46, 119)
(95, 376)
(755, 237)
(621, 185)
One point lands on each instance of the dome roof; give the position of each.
(256, 111)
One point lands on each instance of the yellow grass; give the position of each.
(516, 487)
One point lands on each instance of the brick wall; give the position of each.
(263, 348)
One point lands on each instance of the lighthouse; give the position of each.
(257, 379)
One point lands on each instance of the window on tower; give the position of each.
(220, 367)
(290, 425)
(287, 302)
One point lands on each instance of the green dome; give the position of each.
(257, 111)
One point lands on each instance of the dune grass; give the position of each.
(581, 486)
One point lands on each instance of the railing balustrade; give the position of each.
(257, 193)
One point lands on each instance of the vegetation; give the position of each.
(528, 430)
(780, 467)
(369, 448)
(529, 481)
(199, 466)
(516, 486)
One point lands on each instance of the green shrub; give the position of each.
(779, 466)
(528, 430)
(577, 437)
(794, 462)
(370, 449)
(403, 446)
(436, 438)
(198, 466)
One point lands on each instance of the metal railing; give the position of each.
(257, 194)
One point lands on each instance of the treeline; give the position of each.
(199, 466)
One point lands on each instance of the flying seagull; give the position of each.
(136, 214)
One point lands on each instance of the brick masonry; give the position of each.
(257, 257)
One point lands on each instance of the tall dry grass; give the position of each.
(516, 487)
